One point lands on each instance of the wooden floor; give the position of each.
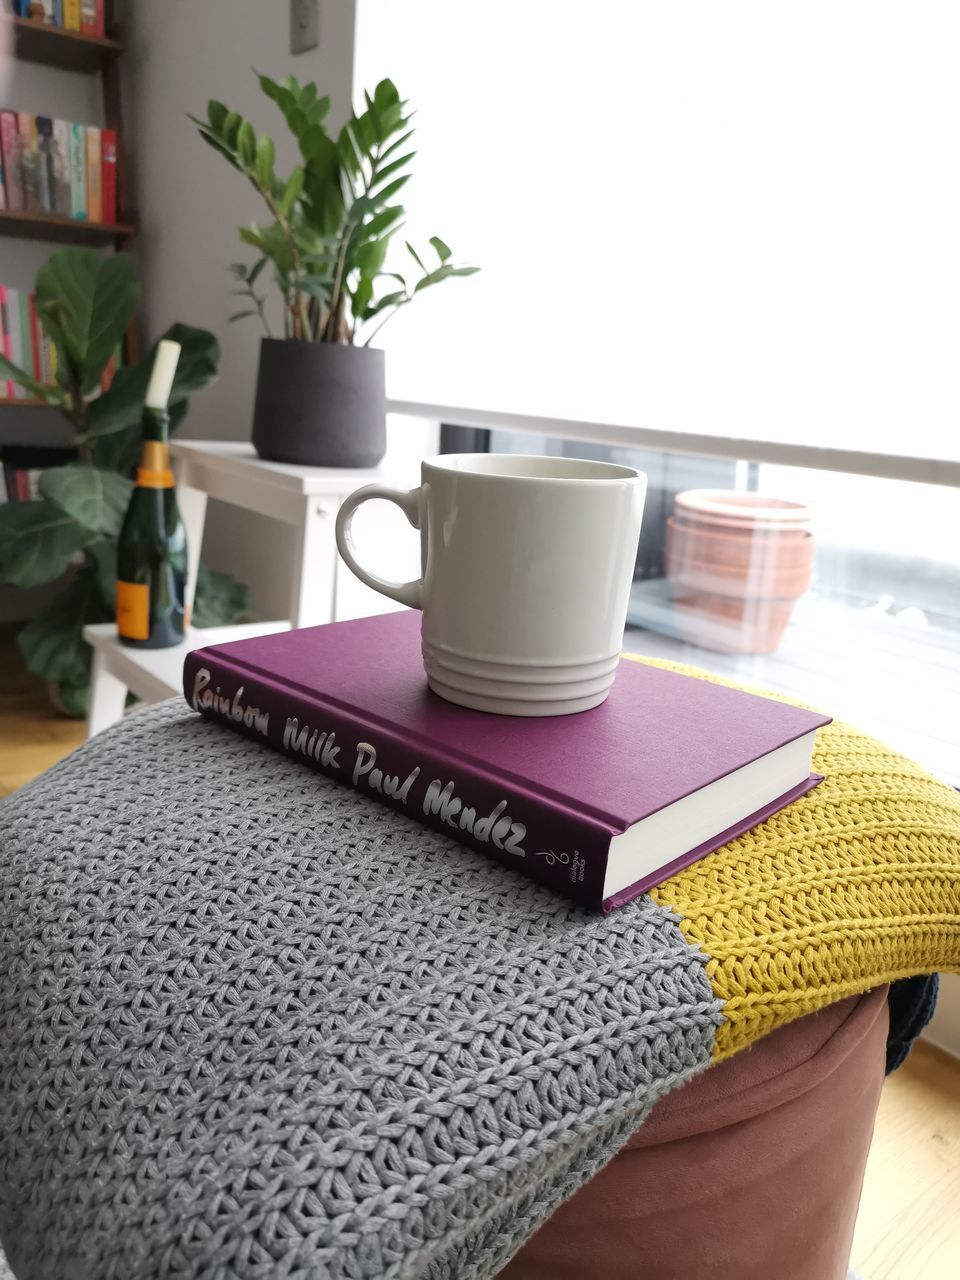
(909, 1224)
(32, 735)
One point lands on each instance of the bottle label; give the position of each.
(133, 610)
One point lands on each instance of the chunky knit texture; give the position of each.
(854, 885)
(254, 1024)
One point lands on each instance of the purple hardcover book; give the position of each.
(601, 805)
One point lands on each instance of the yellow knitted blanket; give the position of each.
(849, 887)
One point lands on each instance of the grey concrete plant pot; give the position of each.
(320, 404)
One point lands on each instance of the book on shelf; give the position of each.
(600, 806)
(58, 167)
(60, 170)
(27, 345)
(83, 16)
(12, 168)
(30, 162)
(23, 465)
(108, 175)
(78, 172)
(94, 188)
(45, 161)
(6, 322)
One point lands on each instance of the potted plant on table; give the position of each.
(320, 388)
(85, 303)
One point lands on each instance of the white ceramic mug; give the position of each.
(526, 571)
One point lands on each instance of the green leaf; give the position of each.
(385, 95)
(392, 188)
(240, 315)
(231, 129)
(396, 145)
(219, 599)
(85, 303)
(121, 407)
(52, 645)
(37, 541)
(388, 300)
(265, 156)
(443, 273)
(53, 395)
(97, 499)
(370, 257)
(218, 144)
(415, 256)
(216, 114)
(386, 170)
(291, 192)
(256, 269)
(443, 252)
(103, 562)
(247, 144)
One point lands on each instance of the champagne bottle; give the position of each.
(152, 551)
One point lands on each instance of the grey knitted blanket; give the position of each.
(254, 1024)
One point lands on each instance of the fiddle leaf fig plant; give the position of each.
(332, 217)
(85, 302)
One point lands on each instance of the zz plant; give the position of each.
(85, 303)
(332, 217)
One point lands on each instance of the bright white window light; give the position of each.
(737, 218)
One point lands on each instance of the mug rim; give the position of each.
(617, 473)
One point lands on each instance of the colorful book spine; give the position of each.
(3, 184)
(71, 15)
(45, 162)
(78, 171)
(30, 162)
(88, 18)
(43, 347)
(19, 336)
(58, 13)
(61, 168)
(94, 175)
(35, 346)
(47, 12)
(108, 148)
(7, 386)
(12, 171)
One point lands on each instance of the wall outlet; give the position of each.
(304, 25)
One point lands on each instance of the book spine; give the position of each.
(46, 369)
(30, 162)
(78, 172)
(58, 13)
(94, 175)
(71, 15)
(61, 168)
(8, 385)
(37, 365)
(554, 846)
(12, 172)
(3, 183)
(45, 161)
(88, 17)
(108, 175)
(21, 346)
(101, 30)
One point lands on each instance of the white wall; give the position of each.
(180, 54)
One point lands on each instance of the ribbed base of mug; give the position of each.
(513, 690)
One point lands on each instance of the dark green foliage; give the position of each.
(333, 216)
(85, 303)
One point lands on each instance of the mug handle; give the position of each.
(408, 593)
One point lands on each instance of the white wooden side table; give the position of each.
(151, 674)
(306, 497)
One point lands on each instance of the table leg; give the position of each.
(315, 565)
(193, 509)
(108, 696)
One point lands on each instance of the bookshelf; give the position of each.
(86, 55)
(68, 50)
